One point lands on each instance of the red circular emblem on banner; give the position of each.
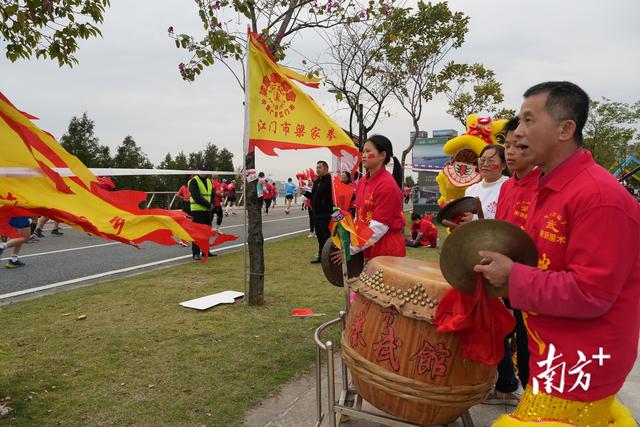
(277, 95)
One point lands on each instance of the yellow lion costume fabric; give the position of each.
(461, 171)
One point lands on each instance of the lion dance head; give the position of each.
(462, 171)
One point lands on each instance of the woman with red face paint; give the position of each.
(379, 201)
(491, 165)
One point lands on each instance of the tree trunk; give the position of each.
(255, 239)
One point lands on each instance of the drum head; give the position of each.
(333, 272)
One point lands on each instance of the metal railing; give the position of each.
(169, 200)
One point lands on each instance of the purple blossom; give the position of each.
(170, 30)
(181, 67)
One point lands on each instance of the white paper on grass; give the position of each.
(204, 303)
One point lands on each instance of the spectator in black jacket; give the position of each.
(321, 204)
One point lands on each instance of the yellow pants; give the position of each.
(544, 410)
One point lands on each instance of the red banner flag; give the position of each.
(82, 200)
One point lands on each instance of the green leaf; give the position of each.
(11, 9)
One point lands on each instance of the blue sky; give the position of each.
(128, 81)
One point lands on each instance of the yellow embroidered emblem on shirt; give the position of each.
(544, 262)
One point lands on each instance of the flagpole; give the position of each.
(245, 150)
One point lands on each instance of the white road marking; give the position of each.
(65, 250)
(127, 269)
(266, 222)
(118, 243)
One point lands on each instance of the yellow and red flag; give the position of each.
(78, 200)
(279, 114)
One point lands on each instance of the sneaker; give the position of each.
(233, 213)
(316, 261)
(286, 211)
(226, 214)
(56, 232)
(212, 254)
(197, 257)
(311, 235)
(39, 233)
(33, 238)
(15, 264)
(183, 243)
(499, 398)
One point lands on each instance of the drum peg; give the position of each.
(428, 300)
(431, 305)
(423, 303)
(415, 302)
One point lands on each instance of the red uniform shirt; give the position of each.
(184, 193)
(379, 198)
(269, 191)
(584, 296)
(515, 198)
(217, 188)
(428, 230)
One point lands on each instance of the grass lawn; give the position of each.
(141, 359)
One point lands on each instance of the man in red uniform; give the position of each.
(423, 232)
(513, 206)
(581, 305)
(217, 204)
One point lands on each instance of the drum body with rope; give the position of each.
(398, 361)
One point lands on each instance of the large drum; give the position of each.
(398, 361)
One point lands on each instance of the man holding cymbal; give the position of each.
(581, 305)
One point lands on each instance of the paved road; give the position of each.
(75, 258)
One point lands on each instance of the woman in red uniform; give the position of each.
(379, 201)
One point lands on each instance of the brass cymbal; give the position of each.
(333, 272)
(452, 209)
(460, 252)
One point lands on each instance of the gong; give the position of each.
(333, 272)
(460, 252)
(454, 208)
